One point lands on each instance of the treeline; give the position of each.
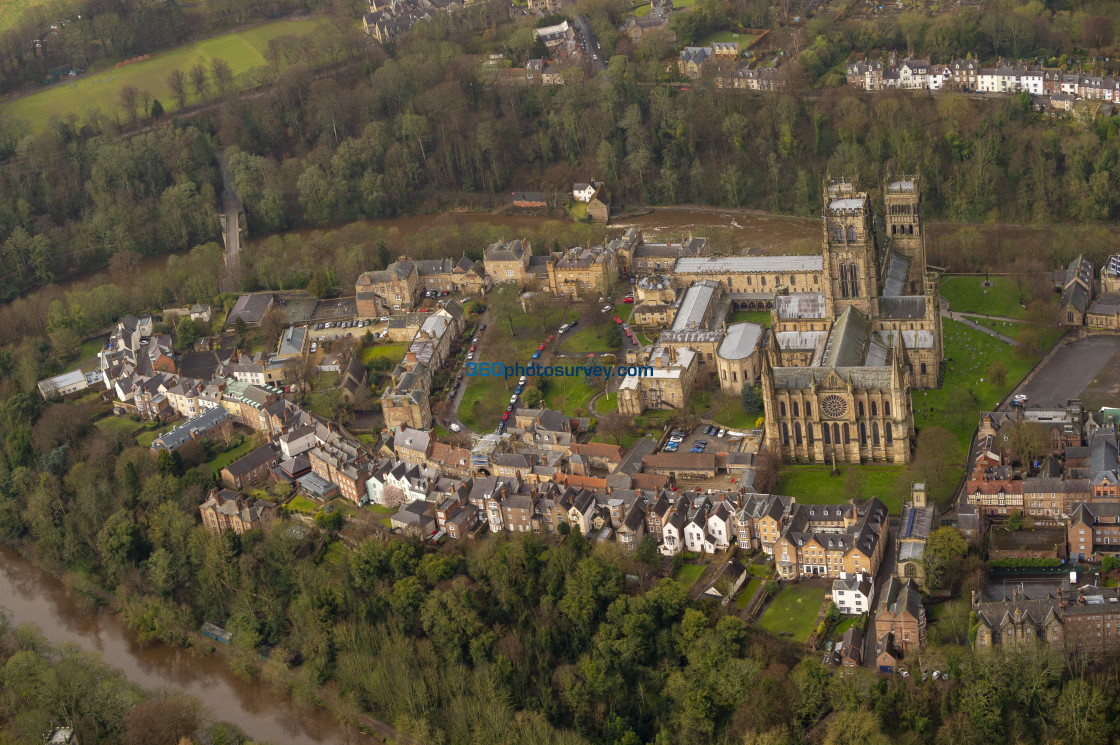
(514, 639)
(85, 31)
(44, 686)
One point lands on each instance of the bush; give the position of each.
(771, 588)
(1025, 563)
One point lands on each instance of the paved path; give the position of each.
(887, 567)
(963, 318)
(231, 208)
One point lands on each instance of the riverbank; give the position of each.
(32, 594)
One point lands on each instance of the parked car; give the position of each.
(513, 399)
(314, 347)
(606, 309)
(384, 319)
(563, 328)
(671, 447)
(676, 438)
(537, 354)
(470, 356)
(628, 299)
(550, 338)
(616, 319)
(454, 427)
(540, 348)
(474, 347)
(505, 416)
(482, 327)
(721, 433)
(522, 380)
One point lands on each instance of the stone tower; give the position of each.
(851, 274)
(901, 199)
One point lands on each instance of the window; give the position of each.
(886, 408)
(762, 280)
(796, 412)
(859, 408)
(782, 408)
(874, 433)
(874, 409)
(785, 434)
(836, 433)
(923, 368)
(825, 434)
(847, 434)
(816, 279)
(889, 433)
(862, 433)
(851, 233)
(797, 432)
(808, 408)
(809, 432)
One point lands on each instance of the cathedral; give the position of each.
(843, 356)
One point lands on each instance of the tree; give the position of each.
(177, 82)
(1029, 440)
(766, 471)
(771, 588)
(392, 496)
(157, 109)
(859, 727)
(531, 398)
(1015, 520)
(198, 80)
(1097, 32)
(615, 426)
(752, 397)
(945, 552)
(272, 323)
(168, 721)
(299, 371)
(503, 303)
(222, 75)
(129, 98)
(320, 284)
(997, 373)
(187, 331)
(930, 461)
(331, 521)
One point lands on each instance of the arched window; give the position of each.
(862, 433)
(911, 570)
(796, 411)
(762, 280)
(874, 433)
(859, 408)
(851, 233)
(886, 408)
(825, 433)
(785, 434)
(836, 433)
(809, 432)
(874, 409)
(808, 408)
(888, 432)
(847, 433)
(923, 368)
(910, 230)
(782, 408)
(797, 432)
(894, 229)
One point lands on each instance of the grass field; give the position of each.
(569, 394)
(965, 294)
(794, 609)
(728, 411)
(242, 50)
(588, 339)
(747, 593)
(123, 424)
(224, 459)
(817, 485)
(302, 504)
(393, 351)
(145, 439)
(745, 40)
(761, 317)
(688, 574)
(642, 10)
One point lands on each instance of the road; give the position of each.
(590, 43)
(231, 208)
(886, 569)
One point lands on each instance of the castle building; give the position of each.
(843, 356)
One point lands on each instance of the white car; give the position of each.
(454, 427)
(470, 356)
(513, 399)
(314, 347)
(384, 319)
(606, 309)
(676, 438)
(522, 380)
(721, 433)
(563, 328)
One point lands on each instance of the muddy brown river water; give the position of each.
(31, 595)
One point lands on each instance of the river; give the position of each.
(31, 595)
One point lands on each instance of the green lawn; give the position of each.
(145, 439)
(87, 354)
(760, 570)
(11, 10)
(578, 210)
(642, 10)
(242, 50)
(795, 609)
(381, 509)
(729, 412)
(441, 431)
(568, 394)
(393, 351)
(588, 339)
(486, 398)
(303, 504)
(318, 401)
(965, 294)
(747, 593)
(761, 317)
(745, 40)
(607, 404)
(224, 459)
(816, 485)
(335, 553)
(847, 623)
(688, 574)
(123, 424)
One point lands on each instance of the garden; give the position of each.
(968, 295)
(793, 611)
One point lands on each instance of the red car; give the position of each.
(617, 319)
(627, 299)
(474, 347)
(628, 332)
(505, 416)
(540, 348)
(550, 338)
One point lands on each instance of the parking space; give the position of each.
(704, 433)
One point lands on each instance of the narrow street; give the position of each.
(886, 569)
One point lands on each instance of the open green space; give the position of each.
(224, 459)
(793, 609)
(145, 439)
(965, 294)
(381, 509)
(642, 10)
(121, 424)
(687, 575)
(87, 354)
(393, 351)
(729, 411)
(747, 593)
(302, 504)
(761, 317)
(745, 40)
(607, 404)
(11, 10)
(817, 485)
(591, 338)
(847, 623)
(568, 394)
(242, 50)
(318, 401)
(701, 400)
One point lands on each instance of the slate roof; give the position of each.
(894, 283)
(739, 264)
(741, 340)
(800, 305)
(253, 460)
(250, 308)
(848, 339)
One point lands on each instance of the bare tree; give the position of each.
(129, 98)
(614, 426)
(300, 373)
(198, 80)
(222, 74)
(177, 82)
(767, 466)
(272, 323)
